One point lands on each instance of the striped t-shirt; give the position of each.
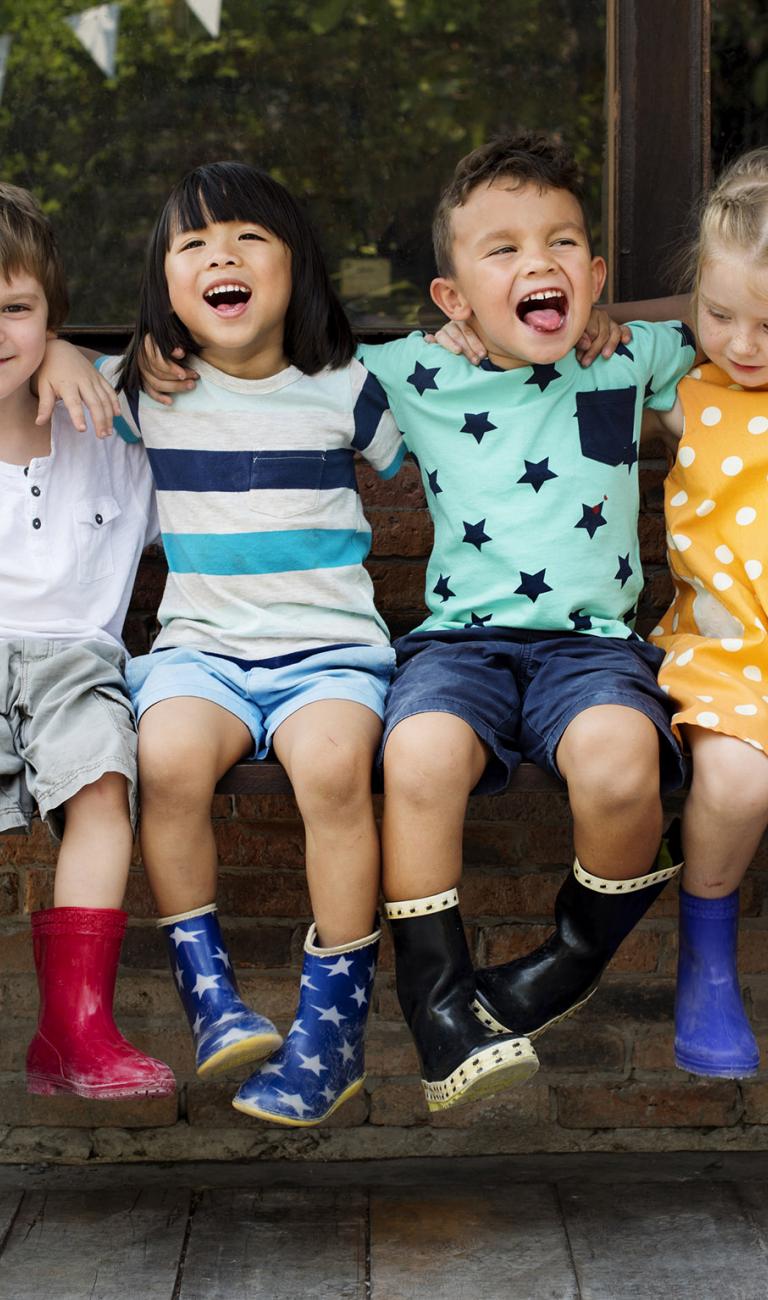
(262, 523)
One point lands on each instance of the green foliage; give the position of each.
(361, 106)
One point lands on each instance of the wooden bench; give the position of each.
(269, 777)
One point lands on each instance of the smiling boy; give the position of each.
(529, 465)
(76, 517)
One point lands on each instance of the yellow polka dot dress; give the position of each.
(716, 506)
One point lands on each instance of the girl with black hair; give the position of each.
(269, 637)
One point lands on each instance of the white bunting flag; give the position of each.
(209, 13)
(96, 30)
(5, 46)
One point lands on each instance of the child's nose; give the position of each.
(744, 343)
(223, 256)
(538, 260)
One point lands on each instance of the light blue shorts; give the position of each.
(263, 697)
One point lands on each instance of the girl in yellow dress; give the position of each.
(715, 632)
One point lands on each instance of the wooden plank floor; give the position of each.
(547, 1228)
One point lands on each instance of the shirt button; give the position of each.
(99, 519)
(37, 523)
(35, 491)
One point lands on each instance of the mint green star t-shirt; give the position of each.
(531, 478)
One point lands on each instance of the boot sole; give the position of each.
(256, 1113)
(247, 1052)
(504, 1065)
(496, 1026)
(707, 1071)
(40, 1086)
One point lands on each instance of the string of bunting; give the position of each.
(97, 31)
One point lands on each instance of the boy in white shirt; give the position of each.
(76, 517)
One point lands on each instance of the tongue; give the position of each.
(544, 318)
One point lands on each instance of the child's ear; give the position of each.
(599, 274)
(449, 298)
(51, 334)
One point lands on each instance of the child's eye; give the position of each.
(505, 248)
(252, 234)
(16, 307)
(566, 240)
(717, 315)
(190, 243)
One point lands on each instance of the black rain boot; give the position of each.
(593, 916)
(460, 1060)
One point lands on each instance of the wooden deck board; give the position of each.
(9, 1204)
(464, 1243)
(277, 1244)
(107, 1245)
(664, 1242)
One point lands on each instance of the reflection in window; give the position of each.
(739, 78)
(361, 106)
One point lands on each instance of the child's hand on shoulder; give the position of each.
(163, 378)
(68, 375)
(457, 337)
(601, 337)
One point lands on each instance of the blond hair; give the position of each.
(734, 217)
(27, 243)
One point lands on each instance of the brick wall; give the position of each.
(607, 1081)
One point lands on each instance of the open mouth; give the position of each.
(228, 299)
(545, 310)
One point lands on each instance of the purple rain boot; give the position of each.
(712, 1034)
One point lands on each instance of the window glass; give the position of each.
(362, 107)
(739, 78)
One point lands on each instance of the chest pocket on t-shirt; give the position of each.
(93, 535)
(286, 483)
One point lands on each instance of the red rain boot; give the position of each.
(78, 1047)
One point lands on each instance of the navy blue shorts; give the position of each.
(518, 692)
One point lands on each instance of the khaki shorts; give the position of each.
(65, 721)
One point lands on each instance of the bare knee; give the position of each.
(106, 798)
(331, 774)
(612, 768)
(174, 774)
(430, 758)
(730, 778)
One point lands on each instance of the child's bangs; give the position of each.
(210, 196)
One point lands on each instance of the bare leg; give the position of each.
(609, 756)
(185, 746)
(95, 853)
(431, 763)
(726, 812)
(327, 749)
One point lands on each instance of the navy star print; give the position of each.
(625, 569)
(581, 622)
(422, 378)
(477, 424)
(433, 483)
(543, 376)
(686, 336)
(623, 351)
(532, 585)
(537, 472)
(475, 534)
(442, 589)
(478, 620)
(592, 518)
(648, 393)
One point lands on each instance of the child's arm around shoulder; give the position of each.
(68, 375)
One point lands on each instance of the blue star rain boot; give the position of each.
(713, 1036)
(320, 1065)
(226, 1032)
